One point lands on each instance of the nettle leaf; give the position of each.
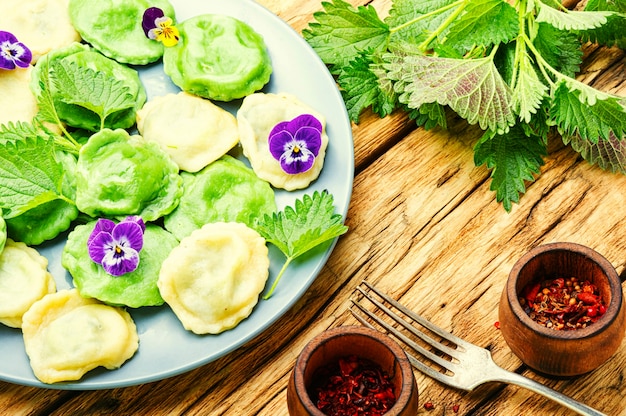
(571, 20)
(429, 116)
(342, 32)
(513, 158)
(364, 84)
(529, 90)
(484, 23)
(30, 175)
(414, 21)
(473, 88)
(297, 230)
(93, 90)
(607, 154)
(578, 109)
(561, 49)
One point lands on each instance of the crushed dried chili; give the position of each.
(563, 303)
(352, 386)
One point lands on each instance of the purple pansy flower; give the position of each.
(159, 27)
(116, 246)
(12, 52)
(296, 143)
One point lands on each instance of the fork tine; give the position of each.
(429, 355)
(425, 323)
(429, 371)
(424, 337)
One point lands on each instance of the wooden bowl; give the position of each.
(332, 344)
(557, 352)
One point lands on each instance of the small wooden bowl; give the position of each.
(563, 353)
(332, 344)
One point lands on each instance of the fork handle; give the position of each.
(519, 380)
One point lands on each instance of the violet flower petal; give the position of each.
(119, 263)
(102, 225)
(137, 219)
(149, 19)
(100, 245)
(128, 235)
(305, 120)
(312, 137)
(279, 143)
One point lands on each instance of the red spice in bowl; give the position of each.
(327, 349)
(563, 303)
(352, 385)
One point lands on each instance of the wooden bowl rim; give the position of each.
(612, 310)
(408, 378)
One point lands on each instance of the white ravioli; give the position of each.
(213, 279)
(66, 336)
(191, 129)
(24, 279)
(17, 101)
(258, 115)
(42, 25)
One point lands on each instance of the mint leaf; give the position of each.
(295, 231)
(342, 32)
(607, 154)
(484, 23)
(571, 20)
(580, 109)
(514, 158)
(361, 88)
(93, 90)
(30, 175)
(473, 88)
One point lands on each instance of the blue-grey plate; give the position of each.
(166, 349)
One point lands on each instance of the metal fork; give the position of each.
(468, 365)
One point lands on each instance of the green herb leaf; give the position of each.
(529, 90)
(514, 158)
(30, 175)
(484, 23)
(93, 90)
(580, 109)
(364, 84)
(296, 231)
(472, 88)
(571, 20)
(607, 154)
(343, 32)
(496, 63)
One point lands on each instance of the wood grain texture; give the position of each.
(425, 227)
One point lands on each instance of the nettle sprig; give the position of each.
(510, 68)
(299, 229)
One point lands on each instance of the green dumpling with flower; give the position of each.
(118, 263)
(218, 57)
(114, 27)
(118, 174)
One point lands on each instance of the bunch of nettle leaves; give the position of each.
(508, 66)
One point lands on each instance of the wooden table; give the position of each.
(424, 227)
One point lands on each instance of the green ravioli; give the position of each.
(218, 57)
(226, 190)
(119, 175)
(135, 289)
(114, 28)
